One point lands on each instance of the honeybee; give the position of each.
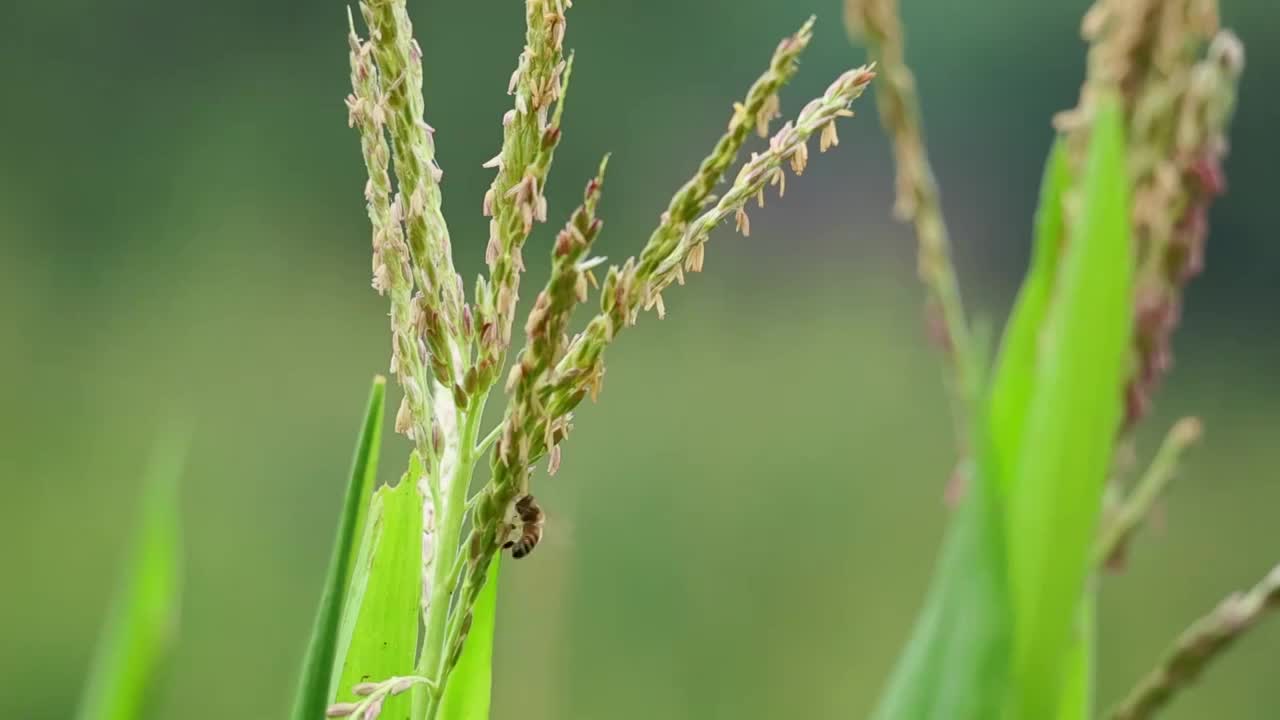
(531, 519)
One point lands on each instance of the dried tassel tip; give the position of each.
(697, 254)
(555, 26)
(553, 460)
(354, 110)
(515, 74)
(404, 418)
(799, 159)
(539, 211)
(514, 377)
(381, 279)
(494, 249)
(527, 200)
(829, 137)
(770, 109)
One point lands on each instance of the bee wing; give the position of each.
(557, 531)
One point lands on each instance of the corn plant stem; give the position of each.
(447, 537)
(1197, 647)
(459, 560)
(453, 633)
(1135, 508)
(489, 440)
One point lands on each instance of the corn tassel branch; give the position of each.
(918, 200)
(447, 354)
(1197, 647)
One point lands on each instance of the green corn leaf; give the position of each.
(1013, 382)
(467, 693)
(142, 623)
(1066, 445)
(1076, 701)
(379, 632)
(313, 687)
(956, 664)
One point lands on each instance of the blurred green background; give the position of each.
(743, 527)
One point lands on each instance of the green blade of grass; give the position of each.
(1013, 382)
(142, 623)
(1076, 701)
(1013, 386)
(1063, 458)
(467, 692)
(379, 632)
(956, 664)
(317, 668)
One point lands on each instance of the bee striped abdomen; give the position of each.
(531, 520)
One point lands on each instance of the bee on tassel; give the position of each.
(529, 522)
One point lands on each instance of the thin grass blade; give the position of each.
(956, 665)
(142, 623)
(313, 687)
(1013, 381)
(1074, 414)
(1077, 700)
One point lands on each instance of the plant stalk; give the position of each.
(1197, 647)
(1131, 514)
(447, 536)
(918, 199)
